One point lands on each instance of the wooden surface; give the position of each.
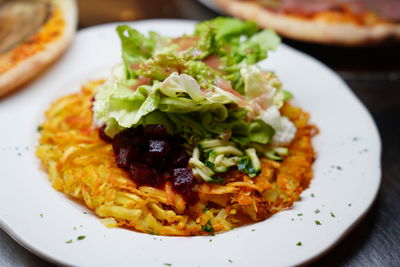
(374, 76)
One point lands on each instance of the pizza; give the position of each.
(32, 35)
(338, 22)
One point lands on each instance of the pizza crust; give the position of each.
(30, 67)
(348, 34)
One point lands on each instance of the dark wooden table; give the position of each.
(372, 73)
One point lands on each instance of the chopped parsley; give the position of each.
(312, 195)
(299, 244)
(41, 215)
(39, 128)
(300, 214)
(349, 205)
(339, 168)
(168, 264)
(69, 241)
(150, 232)
(230, 261)
(317, 222)
(253, 230)
(81, 237)
(317, 211)
(208, 228)
(332, 215)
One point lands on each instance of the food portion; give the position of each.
(32, 35)
(341, 22)
(188, 136)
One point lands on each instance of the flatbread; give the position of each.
(31, 56)
(309, 29)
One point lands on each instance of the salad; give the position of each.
(187, 136)
(205, 87)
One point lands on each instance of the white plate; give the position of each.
(348, 139)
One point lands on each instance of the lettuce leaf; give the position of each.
(237, 43)
(225, 29)
(135, 47)
(181, 92)
(257, 46)
(261, 84)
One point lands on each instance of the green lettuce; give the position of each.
(258, 83)
(181, 92)
(135, 47)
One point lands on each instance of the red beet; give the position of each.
(155, 131)
(154, 157)
(183, 182)
(179, 159)
(126, 155)
(142, 174)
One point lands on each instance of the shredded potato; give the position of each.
(83, 166)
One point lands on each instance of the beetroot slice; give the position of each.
(179, 159)
(153, 157)
(183, 182)
(155, 131)
(126, 155)
(143, 174)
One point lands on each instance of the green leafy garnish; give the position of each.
(208, 228)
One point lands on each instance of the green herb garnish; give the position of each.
(208, 228)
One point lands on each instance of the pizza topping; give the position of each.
(20, 20)
(385, 9)
(17, 49)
